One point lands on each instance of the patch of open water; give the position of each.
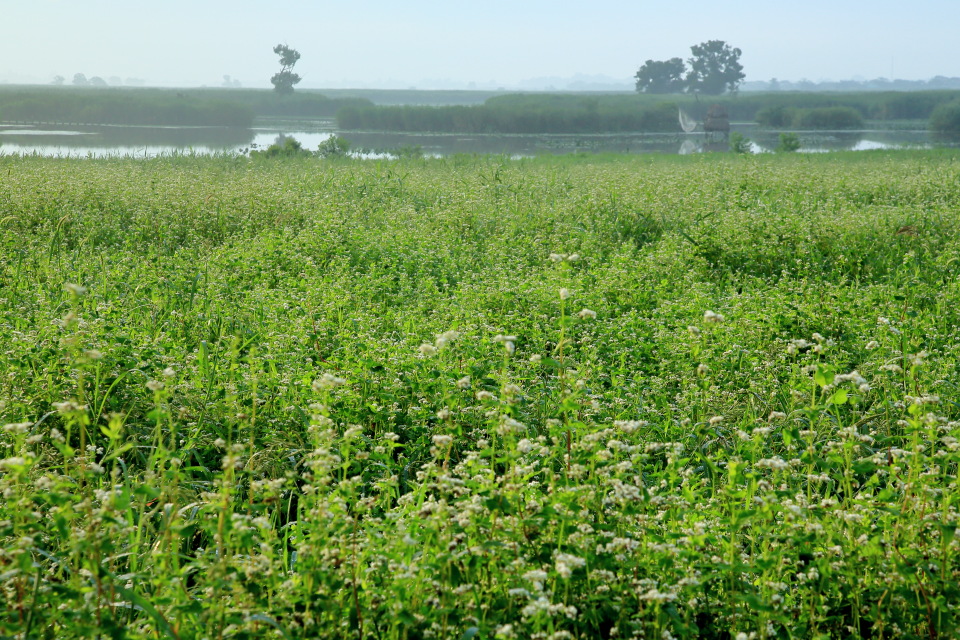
(112, 141)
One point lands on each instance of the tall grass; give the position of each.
(579, 113)
(166, 107)
(566, 398)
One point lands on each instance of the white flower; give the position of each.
(565, 563)
(442, 441)
(464, 382)
(557, 257)
(564, 293)
(710, 316)
(155, 385)
(445, 338)
(75, 289)
(17, 427)
(587, 313)
(573, 257)
(509, 425)
(427, 349)
(328, 381)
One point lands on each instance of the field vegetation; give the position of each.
(571, 397)
(572, 113)
(161, 107)
(945, 120)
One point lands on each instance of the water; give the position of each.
(98, 141)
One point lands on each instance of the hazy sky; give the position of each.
(424, 43)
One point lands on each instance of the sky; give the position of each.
(450, 44)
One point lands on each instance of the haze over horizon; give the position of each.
(423, 44)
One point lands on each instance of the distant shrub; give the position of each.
(828, 118)
(789, 142)
(334, 147)
(740, 143)
(284, 147)
(945, 119)
(413, 151)
(775, 116)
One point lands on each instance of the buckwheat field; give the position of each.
(474, 397)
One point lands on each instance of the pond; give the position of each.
(97, 141)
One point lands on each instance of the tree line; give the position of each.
(714, 68)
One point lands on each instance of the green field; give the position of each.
(572, 397)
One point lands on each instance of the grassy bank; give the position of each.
(573, 113)
(570, 397)
(161, 107)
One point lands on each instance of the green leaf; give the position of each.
(470, 633)
(161, 622)
(947, 533)
(259, 617)
(839, 397)
(823, 375)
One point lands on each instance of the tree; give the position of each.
(661, 76)
(80, 80)
(284, 80)
(714, 68)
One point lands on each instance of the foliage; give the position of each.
(945, 119)
(740, 143)
(775, 116)
(828, 118)
(413, 151)
(661, 76)
(151, 106)
(789, 142)
(334, 147)
(516, 114)
(474, 397)
(122, 106)
(283, 147)
(284, 80)
(559, 113)
(714, 68)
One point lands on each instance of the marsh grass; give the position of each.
(563, 398)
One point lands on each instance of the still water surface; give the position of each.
(143, 142)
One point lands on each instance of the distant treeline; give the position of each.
(161, 107)
(577, 113)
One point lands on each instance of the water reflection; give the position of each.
(154, 141)
(79, 141)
